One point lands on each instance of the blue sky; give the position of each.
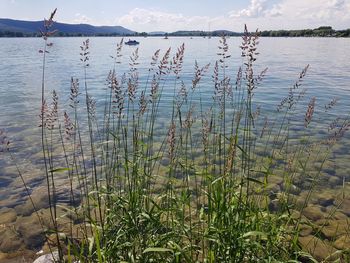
(171, 15)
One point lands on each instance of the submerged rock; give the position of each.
(7, 215)
(326, 200)
(345, 207)
(65, 195)
(335, 228)
(5, 181)
(342, 242)
(48, 258)
(40, 199)
(295, 190)
(305, 230)
(313, 213)
(272, 188)
(165, 162)
(11, 199)
(20, 256)
(334, 181)
(319, 249)
(10, 240)
(31, 231)
(339, 215)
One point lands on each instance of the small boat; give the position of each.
(132, 42)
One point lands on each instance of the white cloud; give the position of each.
(336, 4)
(255, 9)
(275, 11)
(81, 19)
(296, 14)
(262, 14)
(154, 20)
(317, 12)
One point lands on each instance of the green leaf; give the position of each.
(255, 234)
(154, 158)
(267, 172)
(114, 136)
(98, 248)
(145, 215)
(157, 249)
(58, 170)
(242, 150)
(254, 180)
(217, 180)
(91, 244)
(308, 256)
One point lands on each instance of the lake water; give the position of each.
(20, 87)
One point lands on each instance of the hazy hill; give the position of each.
(33, 27)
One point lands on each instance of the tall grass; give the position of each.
(193, 187)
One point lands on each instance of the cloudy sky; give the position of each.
(172, 15)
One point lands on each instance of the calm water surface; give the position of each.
(20, 84)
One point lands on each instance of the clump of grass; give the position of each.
(196, 190)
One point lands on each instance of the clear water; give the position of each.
(20, 85)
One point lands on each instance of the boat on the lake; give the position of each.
(132, 42)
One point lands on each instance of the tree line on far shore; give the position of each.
(324, 31)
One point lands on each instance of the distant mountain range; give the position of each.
(31, 28)
(19, 28)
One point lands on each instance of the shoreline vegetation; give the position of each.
(212, 180)
(18, 28)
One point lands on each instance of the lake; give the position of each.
(20, 88)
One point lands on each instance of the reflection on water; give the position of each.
(20, 87)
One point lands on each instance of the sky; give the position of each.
(172, 15)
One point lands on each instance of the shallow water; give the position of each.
(20, 87)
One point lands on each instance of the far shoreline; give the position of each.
(170, 36)
(80, 31)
